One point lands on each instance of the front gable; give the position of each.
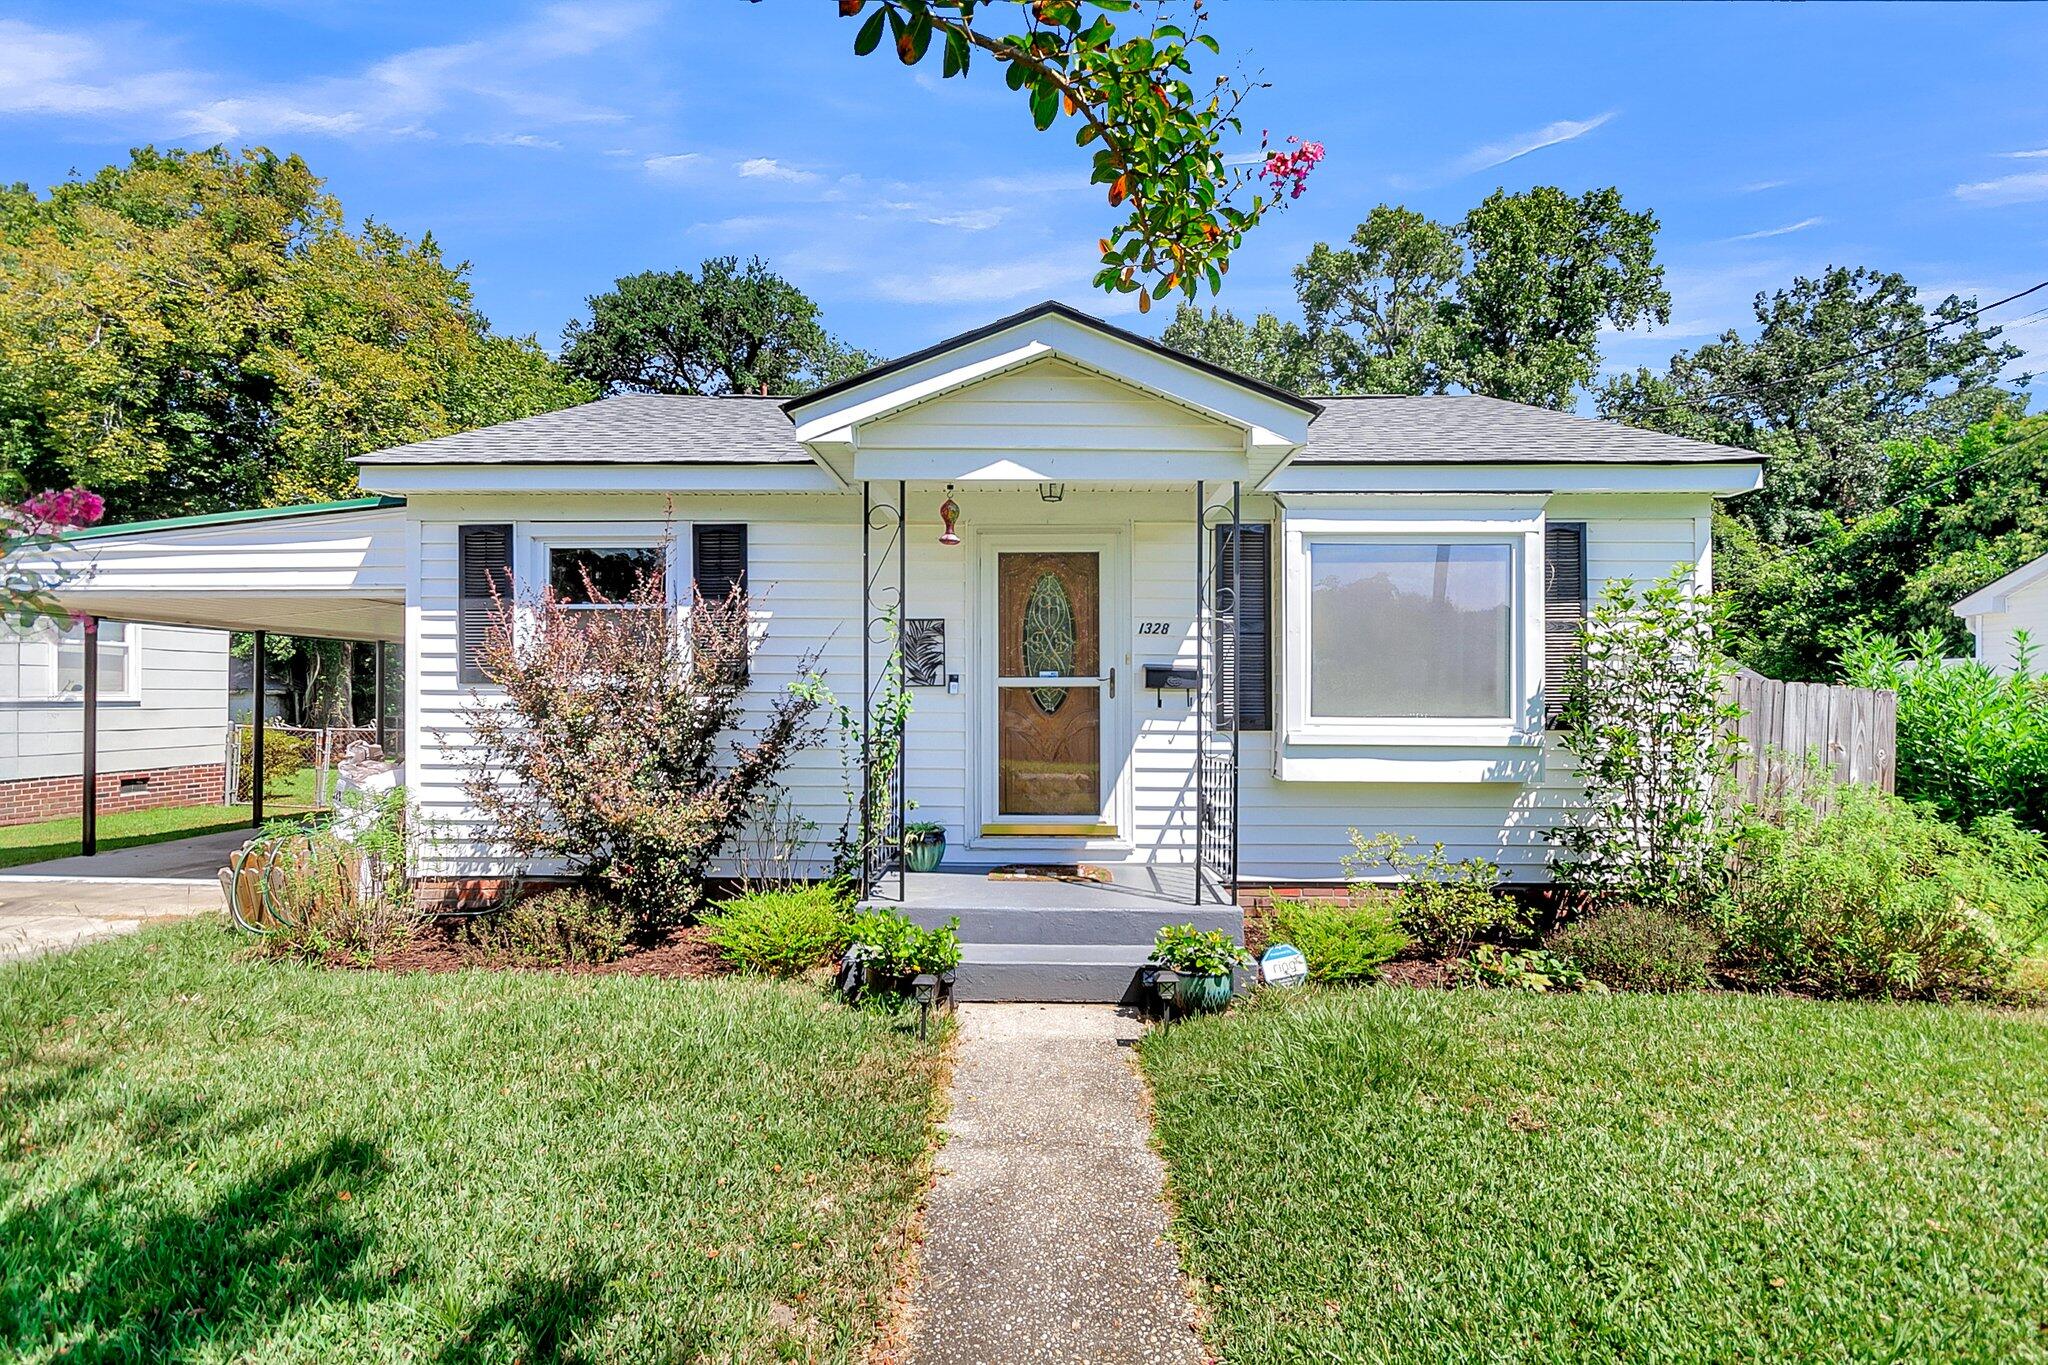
(1051, 394)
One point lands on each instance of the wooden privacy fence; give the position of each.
(1851, 731)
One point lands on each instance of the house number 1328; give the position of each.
(1155, 627)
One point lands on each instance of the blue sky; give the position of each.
(556, 147)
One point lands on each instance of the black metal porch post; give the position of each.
(1201, 691)
(896, 658)
(1236, 664)
(377, 673)
(256, 735)
(867, 710)
(89, 814)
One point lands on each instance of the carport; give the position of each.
(333, 570)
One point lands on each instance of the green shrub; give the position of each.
(1440, 905)
(898, 947)
(1198, 952)
(1633, 947)
(1880, 897)
(286, 754)
(561, 926)
(786, 931)
(318, 899)
(1340, 942)
(1971, 740)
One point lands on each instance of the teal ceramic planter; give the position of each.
(924, 852)
(1202, 994)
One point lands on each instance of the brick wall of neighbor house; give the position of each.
(30, 799)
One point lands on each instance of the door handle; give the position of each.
(1111, 680)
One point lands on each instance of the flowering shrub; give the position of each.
(1646, 724)
(27, 591)
(1289, 170)
(616, 743)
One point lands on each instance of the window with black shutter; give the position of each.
(1564, 613)
(1250, 677)
(718, 558)
(485, 554)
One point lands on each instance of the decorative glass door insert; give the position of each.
(1049, 701)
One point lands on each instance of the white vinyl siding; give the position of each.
(176, 716)
(804, 572)
(2026, 609)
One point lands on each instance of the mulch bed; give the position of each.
(678, 953)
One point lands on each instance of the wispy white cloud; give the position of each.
(97, 74)
(531, 140)
(1802, 225)
(2031, 155)
(768, 168)
(974, 220)
(1522, 144)
(1759, 186)
(988, 282)
(671, 163)
(2027, 187)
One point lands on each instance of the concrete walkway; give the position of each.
(63, 902)
(1045, 1239)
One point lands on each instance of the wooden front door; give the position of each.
(1051, 691)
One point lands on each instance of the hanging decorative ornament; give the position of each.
(949, 512)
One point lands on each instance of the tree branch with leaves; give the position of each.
(1158, 139)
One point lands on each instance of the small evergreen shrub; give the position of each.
(1340, 942)
(286, 754)
(1876, 896)
(559, 927)
(1632, 947)
(1442, 906)
(786, 931)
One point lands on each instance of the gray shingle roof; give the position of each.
(633, 428)
(1468, 429)
(689, 429)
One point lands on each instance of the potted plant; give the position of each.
(924, 845)
(1204, 959)
(889, 953)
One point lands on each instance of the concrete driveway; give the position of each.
(63, 902)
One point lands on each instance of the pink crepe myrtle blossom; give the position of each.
(64, 509)
(1288, 171)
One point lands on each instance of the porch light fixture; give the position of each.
(1051, 492)
(949, 512)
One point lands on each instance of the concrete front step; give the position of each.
(1099, 973)
(1133, 924)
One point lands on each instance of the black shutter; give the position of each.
(718, 564)
(719, 561)
(1249, 678)
(485, 553)
(1564, 612)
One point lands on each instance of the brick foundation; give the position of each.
(31, 799)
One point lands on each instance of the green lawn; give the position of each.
(1391, 1174)
(59, 838)
(207, 1158)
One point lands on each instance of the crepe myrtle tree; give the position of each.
(1649, 728)
(27, 529)
(1158, 136)
(617, 741)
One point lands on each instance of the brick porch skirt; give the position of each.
(29, 799)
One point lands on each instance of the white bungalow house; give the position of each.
(1101, 679)
(2002, 609)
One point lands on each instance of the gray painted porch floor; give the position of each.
(1046, 1234)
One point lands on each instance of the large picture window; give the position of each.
(587, 576)
(1410, 629)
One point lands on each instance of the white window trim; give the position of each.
(39, 650)
(1414, 521)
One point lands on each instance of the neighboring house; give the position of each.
(2000, 610)
(1414, 571)
(162, 722)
